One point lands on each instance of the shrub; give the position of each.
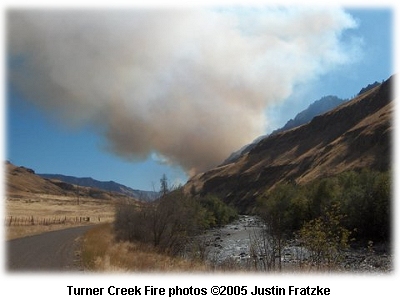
(325, 237)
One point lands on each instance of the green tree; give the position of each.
(323, 192)
(326, 237)
(218, 213)
(277, 210)
(382, 207)
(366, 201)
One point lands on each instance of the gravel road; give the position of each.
(50, 251)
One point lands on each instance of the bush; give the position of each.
(282, 211)
(217, 213)
(325, 237)
(167, 223)
(170, 222)
(366, 200)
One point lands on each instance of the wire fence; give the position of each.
(30, 221)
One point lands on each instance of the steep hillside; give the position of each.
(353, 136)
(318, 107)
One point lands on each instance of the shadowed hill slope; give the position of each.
(355, 135)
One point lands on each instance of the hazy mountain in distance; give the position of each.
(110, 186)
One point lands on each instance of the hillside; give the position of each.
(316, 108)
(110, 186)
(24, 182)
(352, 136)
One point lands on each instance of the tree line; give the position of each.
(329, 214)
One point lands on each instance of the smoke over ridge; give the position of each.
(189, 85)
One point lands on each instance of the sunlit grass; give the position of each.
(101, 253)
(52, 208)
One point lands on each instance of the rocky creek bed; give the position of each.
(230, 246)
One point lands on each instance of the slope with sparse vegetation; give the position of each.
(354, 136)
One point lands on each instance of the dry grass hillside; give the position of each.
(353, 136)
(34, 204)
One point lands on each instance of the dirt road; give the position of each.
(51, 251)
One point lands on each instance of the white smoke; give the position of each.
(189, 85)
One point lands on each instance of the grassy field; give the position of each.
(32, 214)
(101, 253)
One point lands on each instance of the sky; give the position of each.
(130, 95)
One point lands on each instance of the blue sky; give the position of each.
(40, 139)
(36, 141)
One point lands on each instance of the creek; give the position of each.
(231, 245)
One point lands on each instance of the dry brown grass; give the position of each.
(52, 208)
(101, 253)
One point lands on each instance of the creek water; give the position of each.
(231, 244)
(232, 241)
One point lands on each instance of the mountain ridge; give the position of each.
(24, 182)
(355, 135)
(21, 180)
(318, 107)
(104, 185)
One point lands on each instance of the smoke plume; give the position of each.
(189, 85)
